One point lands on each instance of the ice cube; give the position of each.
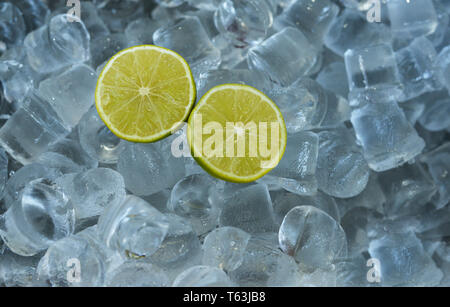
(435, 115)
(137, 274)
(312, 237)
(104, 47)
(303, 104)
(372, 69)
(243, 22)
(415, 64)
(17, 182)
(83, 252)
(147, 169)
(412, 18)
(296, 170)
(34, 12)
(311, 17)
(212, 78)
(118, 13)
(202, 276)
(198, 50)
(250, 209)
(66, 157)
(371, 198)
(40, 217)
(330, 77)
(404, 262)
(341, 169)
(437, 162)
(224, 248)
(91, 19)
(134, 228)
(407, 189)
(355, 224)
(284, 201)
(12, 25)
(3, 171)
(388, 139)
(170, 3)
(71, 93)
(350, 30)
(32, 129)
(442, 66)
(265, 265)
(192, 198)
(140, 31)
(210, 5)
(180, 250)
(18, 271)
(231, 55)
(97, 140)
(270, 56)
(92, 191)
(58, 44)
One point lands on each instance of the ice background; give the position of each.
(361, 197)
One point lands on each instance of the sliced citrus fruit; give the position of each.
(144, 93)
(236, 133)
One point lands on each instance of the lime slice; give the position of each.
(144, 93)
(236, 133)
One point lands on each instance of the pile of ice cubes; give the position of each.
(361, 197)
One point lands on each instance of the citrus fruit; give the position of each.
(236, 133)
(144, 93)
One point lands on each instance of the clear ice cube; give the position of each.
(403, 261)
(32, 129)
(92, 191)
(311, 17)
(296, 170)
(192, 198)
(40, 217)
(250, 209)
(71, 93)
(97, 140)
(82, 251)
(270, 56)
(198, 50)
(412, 18)
(224, 248)
(137, 274)
(134, 228)
(202, 276)
(341, 169)
(58, 44)
(438, 166)
(388, 139)
(312, 237)
(147, 169)
(245, 22)
(265, 265)
(372, 69)
(351, 30)
(415, 65)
